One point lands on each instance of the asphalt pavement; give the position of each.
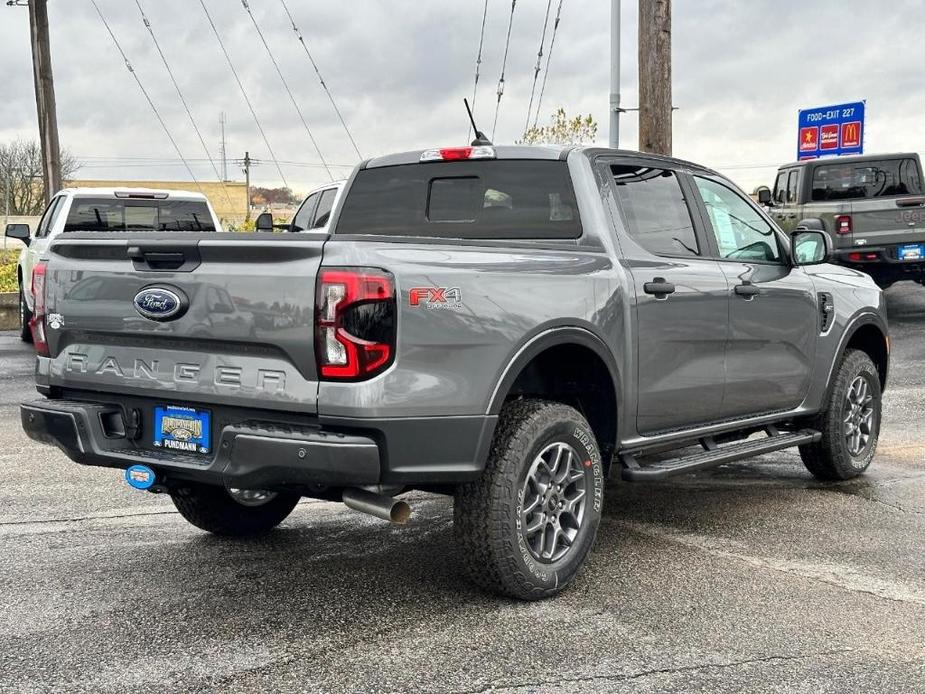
(750, 577)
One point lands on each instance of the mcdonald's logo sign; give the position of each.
(851, 134)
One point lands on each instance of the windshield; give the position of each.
(114, 214)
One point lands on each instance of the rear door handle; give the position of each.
(747, 289)
(658, 287)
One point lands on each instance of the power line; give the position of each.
(321, 79)
(539, 58)
(478, 63)
(295, 104)
(507, 44)
(186, 107)
(243, 92)
(148, 98)
(552, 42)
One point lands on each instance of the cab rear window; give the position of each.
(114, 214)
(515, 199)
(866, 179)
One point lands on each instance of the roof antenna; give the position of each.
(480, 139)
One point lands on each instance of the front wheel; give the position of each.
(850, 424)
(527, 524)
(236, 512)
(25, 315)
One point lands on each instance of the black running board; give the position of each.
(712, 455)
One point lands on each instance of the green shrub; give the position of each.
(8, 260)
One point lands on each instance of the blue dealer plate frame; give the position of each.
(911, 251)
(182, 429)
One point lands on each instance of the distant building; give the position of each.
(229, 198)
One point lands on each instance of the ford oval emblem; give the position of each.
(160, 303)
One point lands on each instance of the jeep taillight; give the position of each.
(37, 324)
(354, 323)
(843, 224)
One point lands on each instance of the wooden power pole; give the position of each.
(45, 97)
(655, 76)
(247, 183)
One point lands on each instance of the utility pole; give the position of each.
(615, 74)
(655, 76)
(45, 97)
(221, 121)
(247, 183)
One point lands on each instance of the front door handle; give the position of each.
(747, 289)
(658, 287)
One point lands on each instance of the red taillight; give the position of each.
(37, 324)
(855, 257)
(354, 322)
(843, 224)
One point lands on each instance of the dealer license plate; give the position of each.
(183, 429)
(914, 251)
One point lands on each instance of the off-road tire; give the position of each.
(211, 508)
(487, 512)
(25, 315)
(830, 458)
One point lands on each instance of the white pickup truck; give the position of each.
(104, 209)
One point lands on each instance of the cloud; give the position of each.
(399, 70)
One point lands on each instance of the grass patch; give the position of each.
(8, 261)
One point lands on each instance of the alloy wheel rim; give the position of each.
(859, 416)
(554, 500)
(251, 497)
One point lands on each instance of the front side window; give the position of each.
(780, 188)
(741, 232)
(45, 221)
(325, 205)
(657, 216)
(303, 217)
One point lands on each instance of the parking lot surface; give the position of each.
(750, 577)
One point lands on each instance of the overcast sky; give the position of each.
(400, 68)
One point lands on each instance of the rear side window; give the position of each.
(514, 199)
(657, 215)
(325, 205)
(114, 214)
(867, 179)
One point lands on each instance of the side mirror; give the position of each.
(810, 247)
(19, 232)
(764, 195)
(264, 222)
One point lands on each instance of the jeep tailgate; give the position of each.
(887, 222)
(243, 334)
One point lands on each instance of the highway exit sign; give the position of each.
(831, 130)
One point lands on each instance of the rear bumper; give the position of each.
(263, 455)
(885, 268)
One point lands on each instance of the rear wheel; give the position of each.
(25, 315)
(236, 512)
(850, 424)
(527, 524)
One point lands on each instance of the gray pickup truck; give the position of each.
(872, 206)
(508, 325)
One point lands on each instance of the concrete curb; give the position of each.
(9, 311)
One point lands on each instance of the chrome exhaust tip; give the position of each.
(379, 505)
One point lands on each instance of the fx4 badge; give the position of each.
(435, 297)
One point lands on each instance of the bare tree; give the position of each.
(21, 176)
(562, 131)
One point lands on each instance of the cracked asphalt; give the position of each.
(750, 577)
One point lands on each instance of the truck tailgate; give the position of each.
(243, 334)
(884, 222)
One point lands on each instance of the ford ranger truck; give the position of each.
(508, 325)
(872, 207)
